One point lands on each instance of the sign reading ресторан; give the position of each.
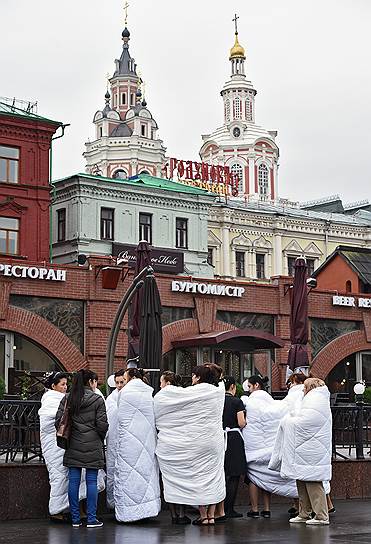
(207, 288)
(353, 302)
(32, 272)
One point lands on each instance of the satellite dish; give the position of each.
(81, 259)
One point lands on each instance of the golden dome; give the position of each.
(237, 50)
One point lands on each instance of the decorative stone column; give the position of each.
(226, 251)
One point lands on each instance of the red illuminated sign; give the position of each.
(214, 178)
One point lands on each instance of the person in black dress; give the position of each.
(235, 460)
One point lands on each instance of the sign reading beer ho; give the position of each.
(214, 178)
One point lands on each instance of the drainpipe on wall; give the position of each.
(63, 127)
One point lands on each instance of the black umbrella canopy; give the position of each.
(150, 339)
(143, 254)
(298, 354)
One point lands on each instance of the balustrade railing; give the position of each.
(20, 431)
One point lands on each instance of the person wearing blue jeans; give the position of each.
(88, 422)
(91, 493)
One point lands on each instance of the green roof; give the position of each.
(151, 182)
(9, 109)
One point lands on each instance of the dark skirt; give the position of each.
(235, 459)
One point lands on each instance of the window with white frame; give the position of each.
(263, 177)
(240, 264)
(237, 108)
(291, 265)
(237, 170)
(248, 106)
(9, 235)
(227, 110)
(260, 265)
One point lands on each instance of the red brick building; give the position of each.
(25, 143)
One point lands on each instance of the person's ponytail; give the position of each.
(80, 380)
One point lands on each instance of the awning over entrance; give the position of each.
(248, 339)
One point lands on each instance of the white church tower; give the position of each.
(248, 149)
(126, 141)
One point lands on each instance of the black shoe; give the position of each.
(184, 520)
(292, 510)
(332, 510)
(265, 514)
(94, 524)
(233, 514)
(252, 514)
(221, 519)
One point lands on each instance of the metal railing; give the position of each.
(351, 430)
(20, 431)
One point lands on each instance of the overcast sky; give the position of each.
(309, 61)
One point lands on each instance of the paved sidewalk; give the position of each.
(351, 524)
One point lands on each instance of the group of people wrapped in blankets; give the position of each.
(199, 438)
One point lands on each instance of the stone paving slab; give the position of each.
(351, 524)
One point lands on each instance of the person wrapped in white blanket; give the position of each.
(303, 451)
(190, 447)
(136, 486)
(263, 416)
(111, 437)
(56, 384)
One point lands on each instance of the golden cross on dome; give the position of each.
(235, 19)
(108, 78)
(126, 12)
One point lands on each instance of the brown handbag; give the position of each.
(64, 429)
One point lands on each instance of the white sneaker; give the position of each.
(298, 519)
(315, 521)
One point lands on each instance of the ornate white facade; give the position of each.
(126, 141)
(248, 149)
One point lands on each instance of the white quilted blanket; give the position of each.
(111, 440)
(263, 416)
(190, 447)
(303, 446)
(136, 476)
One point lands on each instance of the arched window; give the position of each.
(248, 106)
(227, 110)
(145, 172)
(348, 286)
(237, 108)
(120, 174)
(263, 176)
(237, 170)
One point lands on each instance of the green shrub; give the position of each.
(239, 390)
(103, 389)
(367, 395)
(2, 388)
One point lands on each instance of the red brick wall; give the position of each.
(29, 199)
(335, 275)
(101, 305)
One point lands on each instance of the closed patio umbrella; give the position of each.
(143, 254)
(298, 354)
(150, 340)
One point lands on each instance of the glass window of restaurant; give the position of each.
(21, 354)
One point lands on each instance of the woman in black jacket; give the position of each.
(87, 414)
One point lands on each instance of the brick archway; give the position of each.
(337, 350)
(46, 335)
(189, 327)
